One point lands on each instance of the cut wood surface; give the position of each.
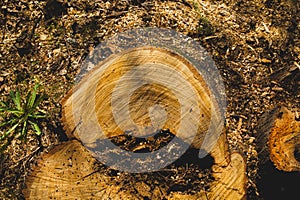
(279, 139)
(69, 171)
(230, 181)
(169, 93)
(141, 91)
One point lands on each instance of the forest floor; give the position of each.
(46, 41)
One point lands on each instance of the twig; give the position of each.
(297, 65)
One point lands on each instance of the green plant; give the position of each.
(20, 115)
(205, 27)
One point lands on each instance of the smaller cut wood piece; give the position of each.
(278, 139)
(68, 172)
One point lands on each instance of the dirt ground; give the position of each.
(250, 41)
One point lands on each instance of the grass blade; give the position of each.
(12, 94)
(3, 106)
(32, 97)
(9, 131)
(37, 116)
(36, 128)
(24, 128)
(12, 121)
(3, 124)
(16, 99)
(37, 102)
(18, 113)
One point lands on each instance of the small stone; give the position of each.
(63, 72)
(43, 37)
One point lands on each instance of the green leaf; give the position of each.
(16, 99)
(3, 124)
(6, 122)
(37, 116)
(32, 97)
(12, 94)
(24, 128)
(36, 128)
(3, 106)
(37, 102)
(9, 131)
(16, 112)
(12, 121)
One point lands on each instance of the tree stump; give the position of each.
(278, 152)
(148, 88)
(151, 89)
(279, 139)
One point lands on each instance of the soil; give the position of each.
(250, 41)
